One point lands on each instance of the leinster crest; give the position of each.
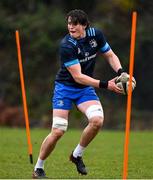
(93, 43)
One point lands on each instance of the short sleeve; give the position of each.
(102, 43)
(68, 56)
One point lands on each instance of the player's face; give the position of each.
(76, 30)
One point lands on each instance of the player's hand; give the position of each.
(112, 86)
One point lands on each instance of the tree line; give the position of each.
(42, 25)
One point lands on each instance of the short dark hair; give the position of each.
(78, 17)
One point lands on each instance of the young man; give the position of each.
(74, 84)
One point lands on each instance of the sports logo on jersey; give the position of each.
(60, 103)
(93, 43)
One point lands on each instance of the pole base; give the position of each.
(31, 158)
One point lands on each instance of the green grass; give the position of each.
(103, 157)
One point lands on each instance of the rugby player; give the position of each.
(75, 83)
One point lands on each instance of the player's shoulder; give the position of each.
(68, 42)
(92, 31)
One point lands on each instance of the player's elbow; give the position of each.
(78, 78)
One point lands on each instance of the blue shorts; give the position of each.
(64, 96)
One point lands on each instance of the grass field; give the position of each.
(103, 157)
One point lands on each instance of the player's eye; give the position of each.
(73, 21)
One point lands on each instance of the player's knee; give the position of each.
(96, 122)
(60, 124)
(57, 133)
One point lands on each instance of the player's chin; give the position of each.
(74, 35)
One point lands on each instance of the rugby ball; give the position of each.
(123, 83)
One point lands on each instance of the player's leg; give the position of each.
(61, 107)
(59, 126)
(94, 113)
(89, 104)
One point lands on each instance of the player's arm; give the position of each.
(70, 61)
(107, 53)
(75, 71)
(113, 60)
(115, 64)
(81, 78)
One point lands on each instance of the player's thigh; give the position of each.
(85, 105)
(93, 110)
(60, 121)
(61, 113)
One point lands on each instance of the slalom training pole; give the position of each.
(24, 96)
(129, 97)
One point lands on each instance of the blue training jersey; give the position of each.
(83, 51)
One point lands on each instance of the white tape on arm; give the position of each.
(93, 111)
(60, 123)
